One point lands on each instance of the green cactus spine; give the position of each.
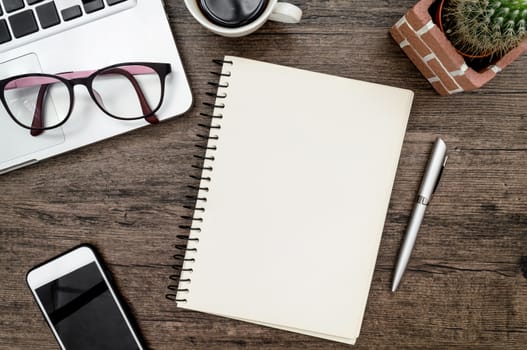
(485, 27)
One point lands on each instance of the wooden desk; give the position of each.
(464, 288)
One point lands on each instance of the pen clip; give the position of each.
(440, 174)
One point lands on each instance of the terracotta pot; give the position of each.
(438, 16)
(433, 54)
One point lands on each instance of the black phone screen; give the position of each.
(84, 313)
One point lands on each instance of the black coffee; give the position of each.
(232, 13)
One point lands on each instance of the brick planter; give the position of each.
(433, 54)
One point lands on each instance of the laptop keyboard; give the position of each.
(22, 21)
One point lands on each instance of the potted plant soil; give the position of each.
(466, 44)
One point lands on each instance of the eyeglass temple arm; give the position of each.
(38, 120)
(152, 119)
(42, 80)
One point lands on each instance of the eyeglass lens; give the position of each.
(128, 92)
(38, 102)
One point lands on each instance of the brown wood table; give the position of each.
(464, 288)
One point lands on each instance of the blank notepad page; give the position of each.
(302, 172)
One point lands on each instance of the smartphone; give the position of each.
(79, 303)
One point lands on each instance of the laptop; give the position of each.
(53, 36)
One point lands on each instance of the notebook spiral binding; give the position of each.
(180, 280)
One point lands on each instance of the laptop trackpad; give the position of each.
(15, 141)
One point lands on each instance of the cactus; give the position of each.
(481, 28)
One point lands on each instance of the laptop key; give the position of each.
(1, 13)
(23, 23)
(48, 15)
(114, 2)
(13, 5)
(92, 5)
(32, 2)
(4, 32)
(71, 13)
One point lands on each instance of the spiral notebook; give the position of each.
(295, 187)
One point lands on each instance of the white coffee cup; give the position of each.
(275, 11)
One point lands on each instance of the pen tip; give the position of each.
(394, 286)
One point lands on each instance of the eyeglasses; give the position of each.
(126, 91)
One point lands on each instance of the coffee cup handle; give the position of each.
(286, 13)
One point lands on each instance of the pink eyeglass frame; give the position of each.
(86, 78)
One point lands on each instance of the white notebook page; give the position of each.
(303, 173)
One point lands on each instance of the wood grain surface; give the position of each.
(464, 288)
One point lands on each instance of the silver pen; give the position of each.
(433, 172)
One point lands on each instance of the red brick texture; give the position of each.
(414, 40)
(439, 62)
